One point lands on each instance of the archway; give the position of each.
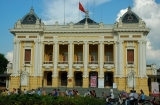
(108, 79)
(78, 78)
(93, 79)
(49, 78)
(63, 76)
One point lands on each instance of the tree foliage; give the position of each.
(3, 63)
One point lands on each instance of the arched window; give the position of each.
(93, 57)
(79, 56)
(50, 56)
(65, 56)
(109, 57)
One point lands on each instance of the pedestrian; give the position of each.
(39, 91)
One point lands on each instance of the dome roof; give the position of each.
(30, 18)
(130, 17)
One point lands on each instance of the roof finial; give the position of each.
(129, 8)
(31, 10)
(87, 14)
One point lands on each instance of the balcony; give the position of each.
(47, 64)
(78, 65)
(93, 65)
(108, 65)
(63, 65)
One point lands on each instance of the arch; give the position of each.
(79, 56)
(49, 78)
(78, 78)
(94, 56)
(108, 56)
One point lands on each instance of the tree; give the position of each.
(3, 63)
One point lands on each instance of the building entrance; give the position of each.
(49, 78)
(63, 77)
(108, 79)
(93, 79)
(78, 78)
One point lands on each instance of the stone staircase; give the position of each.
(82, 91)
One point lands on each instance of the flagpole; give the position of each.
(64, 12)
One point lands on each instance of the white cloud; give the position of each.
(9, 56)
(120, 14)
(54, 10)
(149, 11)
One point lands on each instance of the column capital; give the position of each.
(140, 41)
(85, 42)
(144, 42)
(101, 42)
(70, 42)
(55, 42)
(36, 41)
(120, 42)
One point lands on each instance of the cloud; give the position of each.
(120, 14)
(9, 56)
(54, 10)
(149, 11)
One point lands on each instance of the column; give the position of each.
(35, 58)
(144, 58)
(101, 60)
(70, 71)
(85, 64)
(17, 57)
(120, 59)
(115, 59)
(140, 58)
(55, 59)
(55, 73)
(14, 58)
(85, 59)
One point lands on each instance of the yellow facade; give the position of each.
(73, 55)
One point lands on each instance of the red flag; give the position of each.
(81, 8)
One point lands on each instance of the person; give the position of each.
(128, 102)
(32, 92)
(25, 91)
(94, 94)
(135, 97)
(110, 96)
(58, 92)
(55, 93)
(8, 92)
(88, 93)
(141, 97)
(43, 92)
(39, 91)
(66, 92)
(19, 91)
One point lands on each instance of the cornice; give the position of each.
(131, 29)
(25, 30)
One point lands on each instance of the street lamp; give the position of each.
(131, 75)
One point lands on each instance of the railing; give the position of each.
(78, 62)
(148, 65)
(130, 62)
(27, 62)
(109, 62)
(63, 62)
(93, 62)
(48, 62)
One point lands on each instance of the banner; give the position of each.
(93, 81)
(155, 88)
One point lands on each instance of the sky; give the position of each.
(107, 11)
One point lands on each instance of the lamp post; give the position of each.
(132, 75)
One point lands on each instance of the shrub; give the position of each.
(48, 100)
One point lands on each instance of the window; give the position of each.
(94, 56)
(50, 56)
(79, 56)
(109, 57)
(130, 56)
(27, 57)
(65, 56)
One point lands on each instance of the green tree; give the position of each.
(3, 63)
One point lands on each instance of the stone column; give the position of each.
(14, 58)
(120, 59)
(144, 58)
(40, 59)
(55, 73)
(101, 60)
(85, 63)
(70, 72)
(140, 58)
(35, 58)
(115, 59)
(17, 57)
